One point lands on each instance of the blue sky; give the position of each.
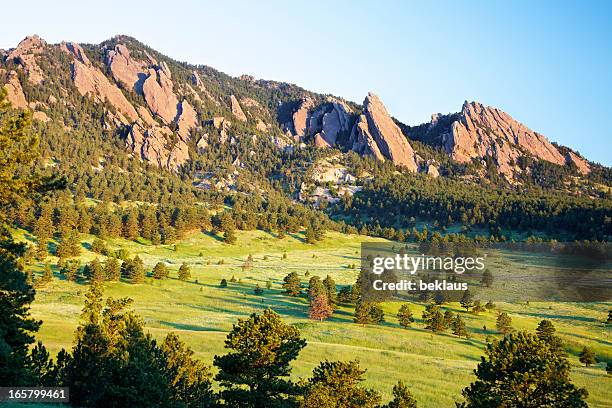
(546, 63)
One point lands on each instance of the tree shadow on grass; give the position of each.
(190, 327)
(214, 236)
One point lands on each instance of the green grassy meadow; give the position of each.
(436, 367)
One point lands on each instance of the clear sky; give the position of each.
(546, 63)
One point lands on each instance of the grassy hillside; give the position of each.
(436, 367)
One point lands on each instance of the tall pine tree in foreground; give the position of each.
(18, 148)
(521, 370)
(255, 372)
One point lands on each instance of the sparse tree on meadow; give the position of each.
(504, 323)
(184, 272)
(466, 300)
(487, 278)
(160, 271)
(320, 309)
(292, 284)
(433, 318)
(404, 316)
(587, 356)
(458, 327)
(330, 290)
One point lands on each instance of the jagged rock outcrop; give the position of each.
(322, 123)
(187, 121)
(484, 130)
(300, 117)
(197, 81)
(581, 164)
(151, 145)
(25, 55)
(480, 131)
(127, 71)
(376, 133)
(236, 109)
(333, 120)
(89, 80)
(40, 116)
(159, 95)
(14, 92)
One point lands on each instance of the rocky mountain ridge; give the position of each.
(163, 109)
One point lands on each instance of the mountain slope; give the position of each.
(165, 111)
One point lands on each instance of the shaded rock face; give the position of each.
(14, 92)
(236, 109)
(327, 122)
(376, 134)
(24, 55)
(89, 80)
(323, 123)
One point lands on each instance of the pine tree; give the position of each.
(433, 318)
(17, 152)
(521, 369)
(99, 246)
(368, 313)
(70, 245)
(229, 236)
(330, 290)
(310, 236)
(47, 274)
(223, 283)
(504, 323)
(292, 284)
(449, 317)
(319, 308)
(130, 225)
(466, 300)
(184, 273)
(487, 278)
(160, 271)
(587, 356)
(254, 373)
(43, 229)
(112, 269)
(336, 384)
(71, 270)
(546, 332)
(316, 288)
(402, 397)
(459, 328)
(134, 270)
(94, 271)
(404, 316)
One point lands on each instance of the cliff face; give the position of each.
(375, 133)
(479, 131)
